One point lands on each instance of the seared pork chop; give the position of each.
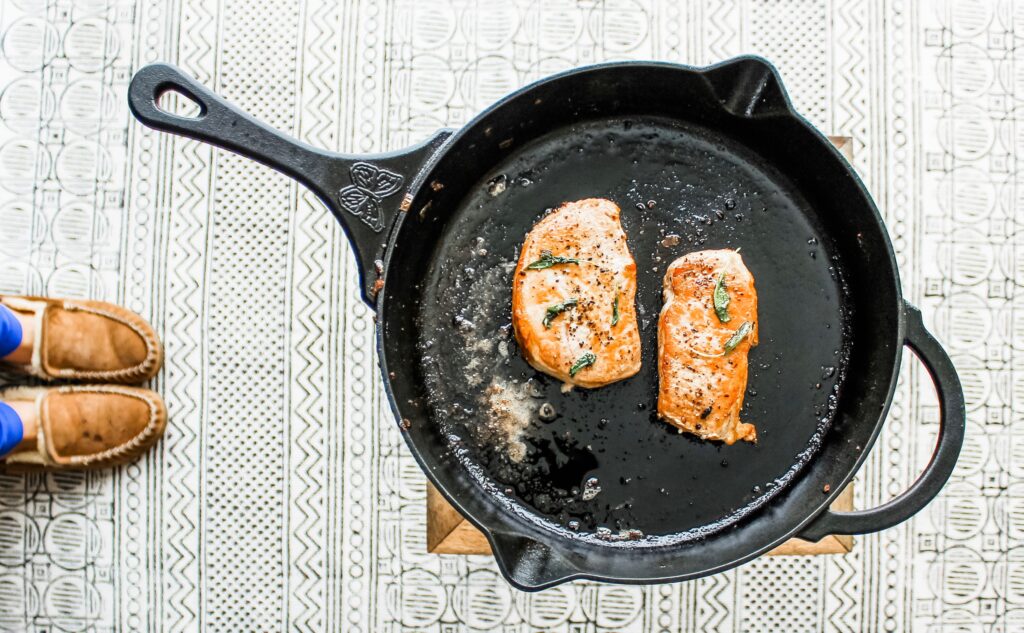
(573, 296)
(707, 326)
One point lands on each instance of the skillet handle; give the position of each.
(222, 124)
(364, 193)
(952, 423)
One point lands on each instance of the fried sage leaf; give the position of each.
(547, 260)
(721, 299)
(737, 338)
(557, 309)
(586, 360)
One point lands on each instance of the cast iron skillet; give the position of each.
(697, 158)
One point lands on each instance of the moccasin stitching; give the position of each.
(125, 373)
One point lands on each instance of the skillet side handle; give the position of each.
(529, 565)
(952, 423)
(365, 193)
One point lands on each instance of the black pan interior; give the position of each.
(681, 187)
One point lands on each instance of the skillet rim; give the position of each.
(547, 538)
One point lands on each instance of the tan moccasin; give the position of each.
(88, 426)
(86, 340)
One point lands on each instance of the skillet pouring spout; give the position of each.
(748, 87)
(364, 192)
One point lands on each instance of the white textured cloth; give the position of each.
(282, 496)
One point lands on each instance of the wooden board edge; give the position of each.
(844, 144)
(442, 520)
(833, 544)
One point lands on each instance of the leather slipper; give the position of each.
(84, 340)
(88, 426)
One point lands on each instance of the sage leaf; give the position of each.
(737, 338)
(557, 309)
(586, 360)
(547, 260)
(721, 299)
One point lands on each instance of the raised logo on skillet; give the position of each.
(370, 185)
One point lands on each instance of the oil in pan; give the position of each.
(598, 464)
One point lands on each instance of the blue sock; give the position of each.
(12, 430)
(10, 331)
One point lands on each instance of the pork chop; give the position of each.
(573, 296)
(707, 326)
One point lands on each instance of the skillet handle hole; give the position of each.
(179, 104)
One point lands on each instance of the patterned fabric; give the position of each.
(282, 496)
